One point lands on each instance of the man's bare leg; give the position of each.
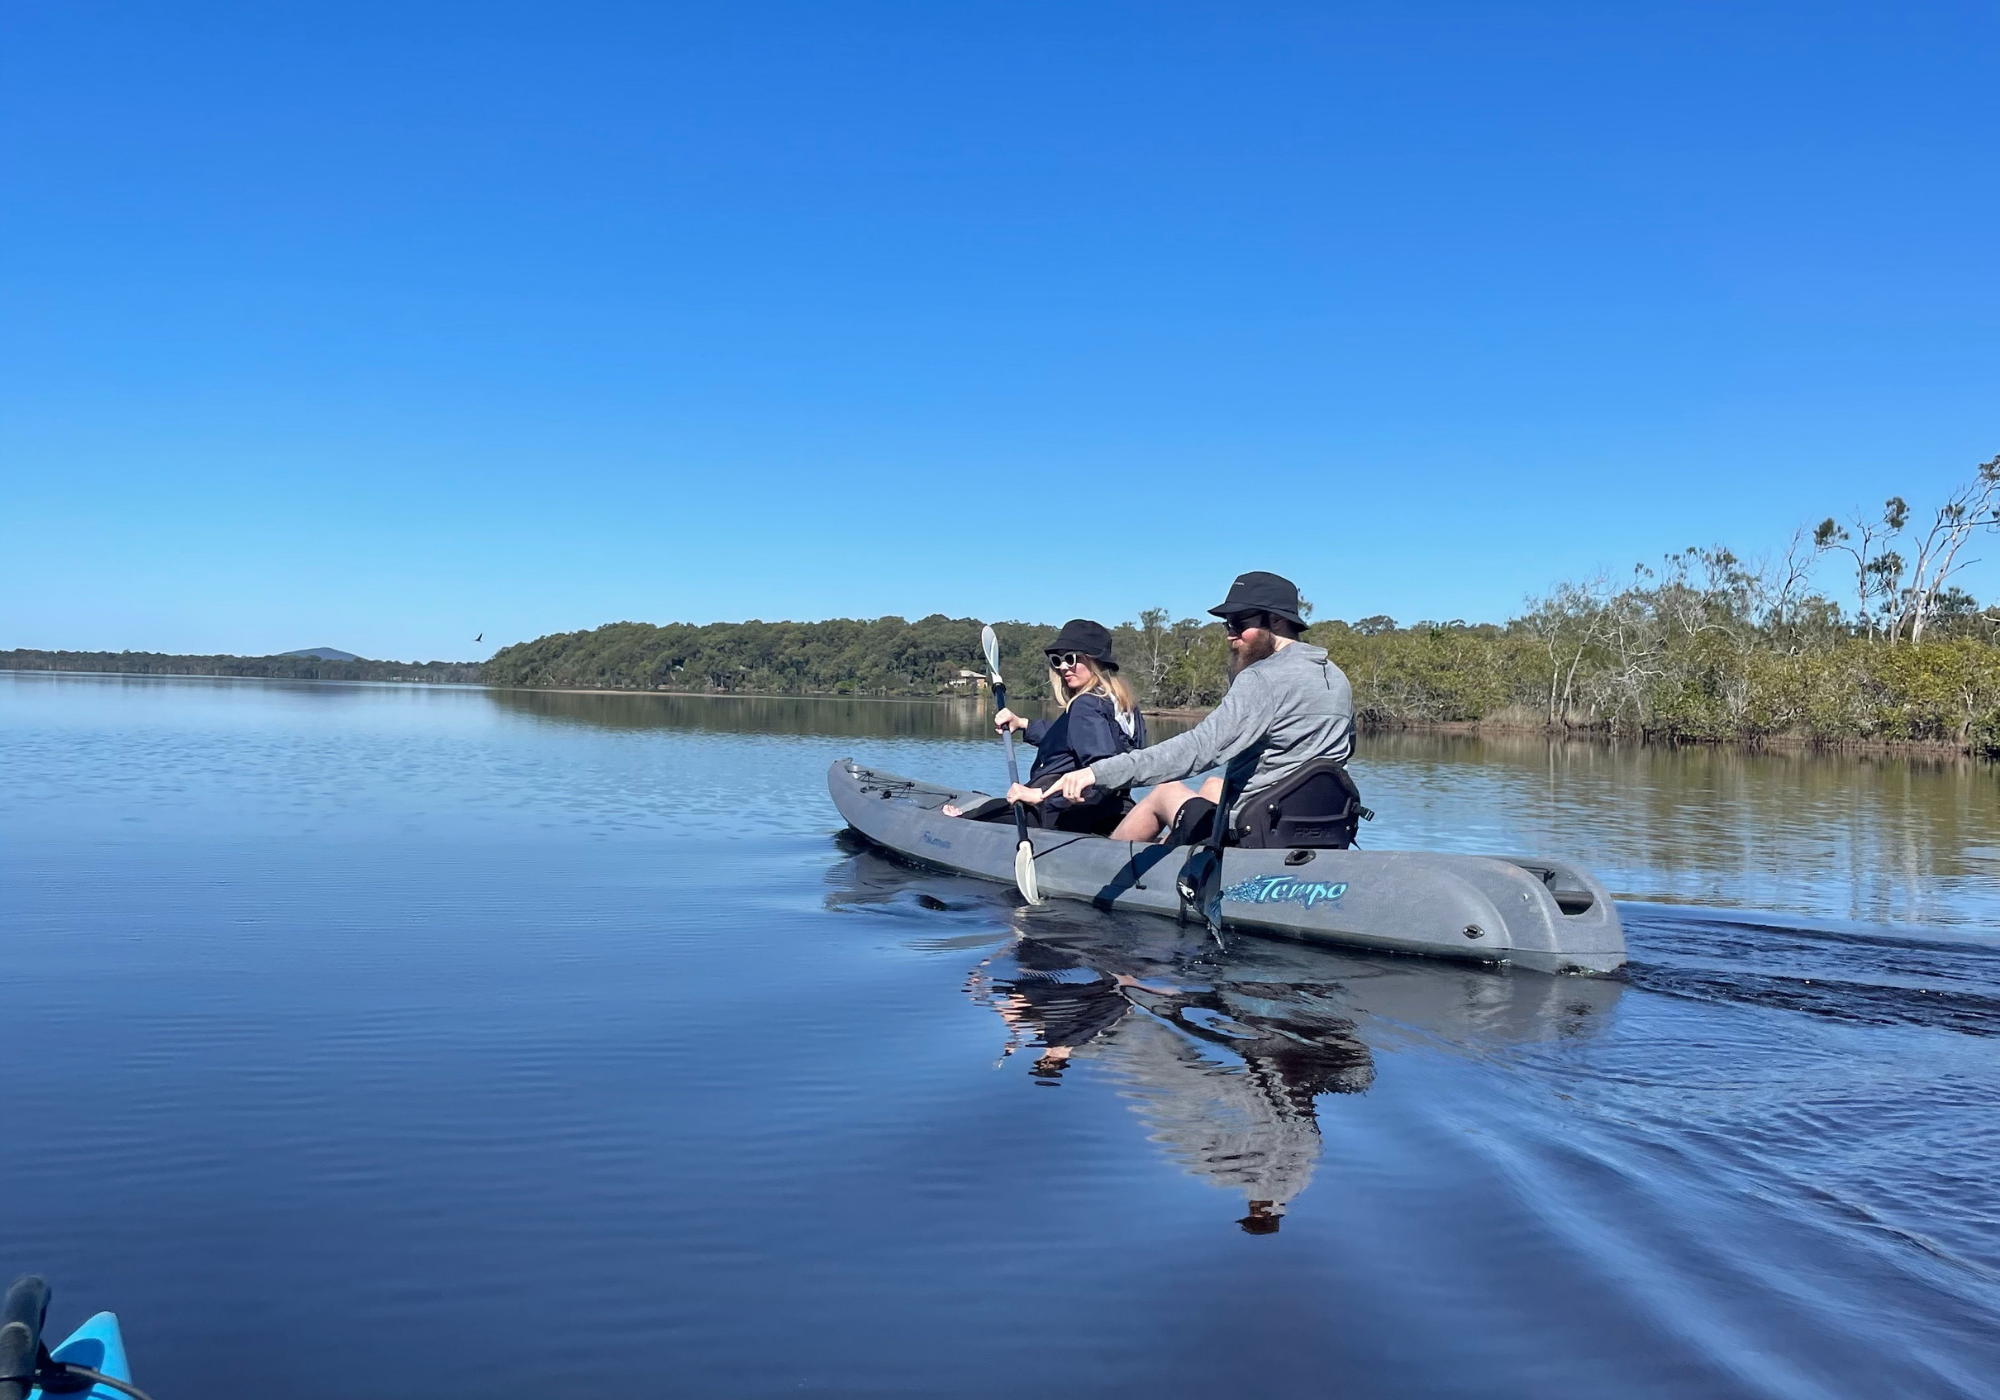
(1153, 814)
(1157, 809)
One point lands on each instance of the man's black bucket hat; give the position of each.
(1260, 592)
(1082, 635)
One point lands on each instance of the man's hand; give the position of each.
(1072, 785)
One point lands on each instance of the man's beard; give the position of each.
(1251, 652)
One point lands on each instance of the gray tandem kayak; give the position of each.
(1543, 914)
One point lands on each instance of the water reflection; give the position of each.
(1224, 1073)
(752, 714)
(1875, 839)
(834, 716)
(1224, 1053)
(1871, 839)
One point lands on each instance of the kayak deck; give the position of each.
(100, 1345)
(1529, 912)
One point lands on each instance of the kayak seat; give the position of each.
(1096, 818)
(1317, 808)
(987, 809)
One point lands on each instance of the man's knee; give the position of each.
(1212, 789)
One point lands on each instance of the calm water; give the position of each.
(450, 1043)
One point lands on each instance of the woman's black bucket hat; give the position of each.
(1088, 638)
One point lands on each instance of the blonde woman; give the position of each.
(1098, 719)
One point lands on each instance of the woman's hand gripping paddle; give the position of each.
(1024, 852)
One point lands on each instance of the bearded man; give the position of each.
(1287, 706)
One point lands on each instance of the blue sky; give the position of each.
(381, 326)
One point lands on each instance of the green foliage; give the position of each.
(1435, 671)
(1173, 664)
(843, 656)
(1703, 649)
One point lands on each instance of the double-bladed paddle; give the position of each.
(1024, 851)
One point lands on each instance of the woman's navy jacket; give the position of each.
(1087, 731)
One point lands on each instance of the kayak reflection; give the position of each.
(1224, 1073)
(1224, 1052)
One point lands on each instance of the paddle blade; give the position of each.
(1024, 873)
(991, 645)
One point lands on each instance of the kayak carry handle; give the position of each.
(21, 1319)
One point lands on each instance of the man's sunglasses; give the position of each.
(1240, 623)
(1063, 660)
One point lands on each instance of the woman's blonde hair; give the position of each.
(1109, 684)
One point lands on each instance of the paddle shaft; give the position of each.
(1218, 837)
(1013, 769)
(1199, 883)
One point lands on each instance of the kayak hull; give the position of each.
(100, 1345)
(1542, 914)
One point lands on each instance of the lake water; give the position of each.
(445, 1042)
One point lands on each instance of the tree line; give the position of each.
(1704, 646)
(1694, 654)
(289, 668)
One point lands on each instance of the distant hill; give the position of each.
(319, 664)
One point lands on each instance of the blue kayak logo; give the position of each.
(1283, 889)
(930, 840)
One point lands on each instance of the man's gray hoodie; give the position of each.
(1280, 714)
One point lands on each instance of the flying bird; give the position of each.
(480, 638)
